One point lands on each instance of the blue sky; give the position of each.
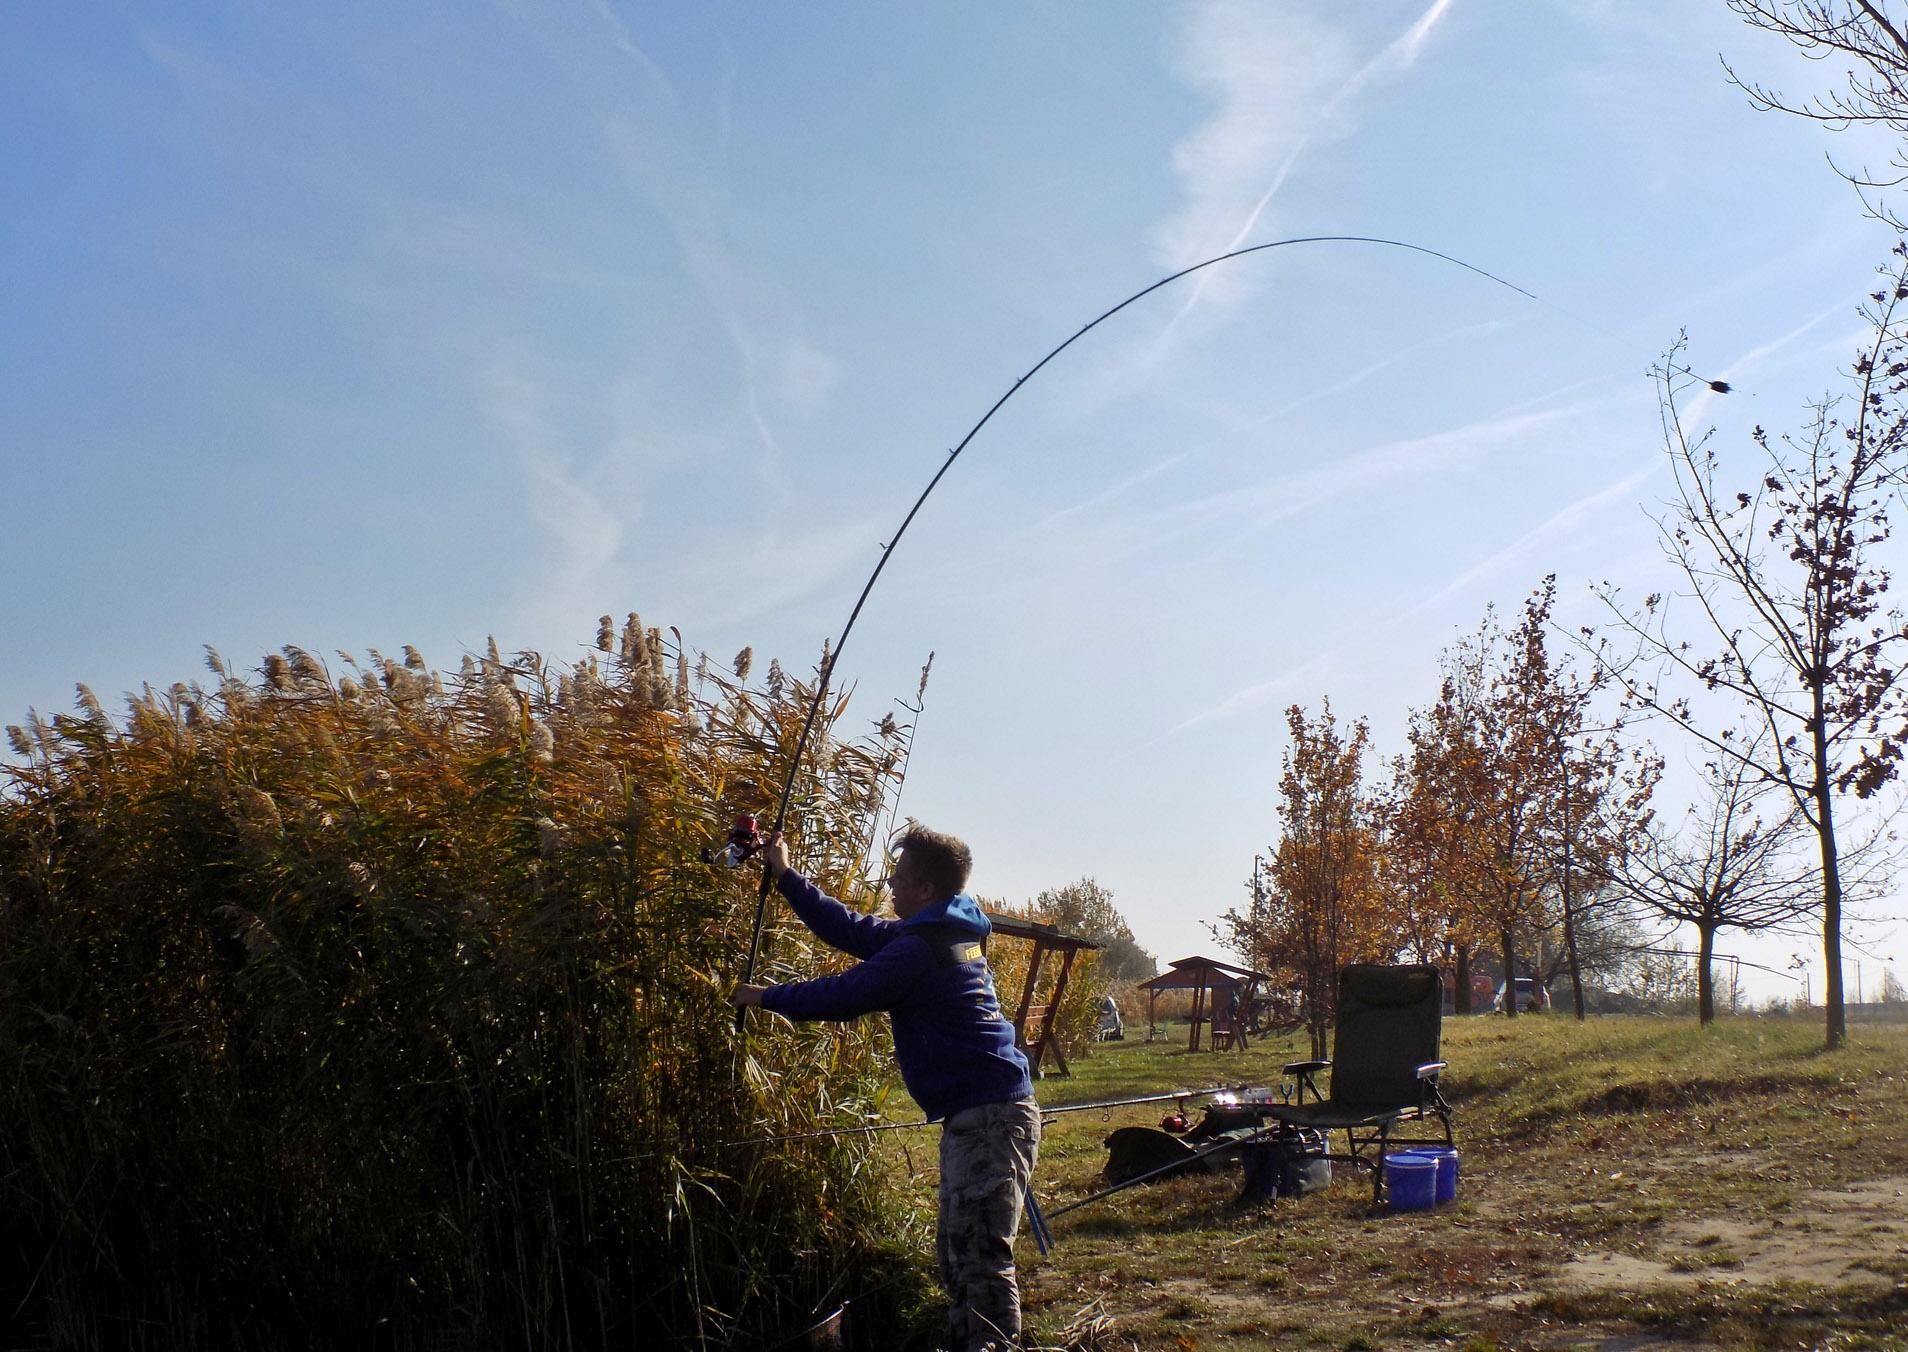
(361, 327)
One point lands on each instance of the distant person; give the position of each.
(1225, 1024)
(956, 1052)
(1112, 1028)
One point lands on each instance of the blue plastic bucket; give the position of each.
(1411, 1181)
(1447, 1158)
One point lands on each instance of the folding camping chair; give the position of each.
(1384, 1066)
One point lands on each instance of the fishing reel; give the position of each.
(745, 838)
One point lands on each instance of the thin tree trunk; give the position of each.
(1705, 981)
(1319, 1024)
(1317, 1009)
(1510, 974)
(1570, 938)
(1461, 997)
(1569, 906)
(1335, 918)
(1837, 1033)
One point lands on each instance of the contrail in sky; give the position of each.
(1402, 52)
(1399, 54)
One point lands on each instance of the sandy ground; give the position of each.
(1826, 1238)
(1849, 1239)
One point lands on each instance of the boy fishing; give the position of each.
(956, 1053)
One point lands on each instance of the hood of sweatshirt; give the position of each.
(959, 911)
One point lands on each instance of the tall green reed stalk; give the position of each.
(389, 1007)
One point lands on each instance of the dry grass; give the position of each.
(389, 1009)
(1628, 1182)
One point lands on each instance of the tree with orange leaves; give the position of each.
(1317, 905)
(1508, 803)
(1431, 830)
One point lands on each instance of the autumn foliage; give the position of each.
(1489, 836)
(1317, 905)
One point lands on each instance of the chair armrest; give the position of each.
(1429, 1070)
(1303, 1071)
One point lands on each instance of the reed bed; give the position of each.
(388, 1007)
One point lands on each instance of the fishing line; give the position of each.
(1054, 1110)
(907, 755)
(833, 655)
(1609, 334)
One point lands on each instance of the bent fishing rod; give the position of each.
(833, 655)
(1179, 1096)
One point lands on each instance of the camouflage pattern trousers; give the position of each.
(987, 1158)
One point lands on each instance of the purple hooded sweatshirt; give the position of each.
(955, 1047)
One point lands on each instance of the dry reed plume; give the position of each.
(388, 1007)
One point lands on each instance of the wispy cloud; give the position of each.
(804, 376)
(1220, 520)
(1385, 465)
(1278, 85)
(561, 498)
(200, 73)
(674, 182)
(1393, 359)
(1763, 351)
(1307, 676)
(588, 486)
(1268, 72)
(1302, 679)
(669, 158)
(1116, 525)
(672, 165)
(791, 562)
(1686, 308)
(1570, 521)
(625, 42)
(1566, 523)
(1107, 495)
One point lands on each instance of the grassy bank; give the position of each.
(1624, 1179)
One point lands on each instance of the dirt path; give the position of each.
(1851, 1236)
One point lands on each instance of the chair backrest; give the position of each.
(1389, 1023)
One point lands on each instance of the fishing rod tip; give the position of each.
(1719, 386)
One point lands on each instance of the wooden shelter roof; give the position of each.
(1188, 973)
(1014, 927)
